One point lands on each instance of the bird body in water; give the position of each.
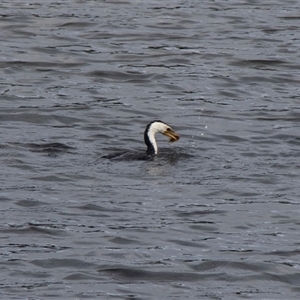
(152, 128)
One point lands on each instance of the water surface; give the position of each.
(80, 78)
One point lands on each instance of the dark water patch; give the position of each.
(71, 106)
(32, 230)
(98, 216)
(280, 80)
(127, 155)
(35, 118)
(204, 228)
(123, 241)
(287, 138)
(172, 87)
(96, 207)
(215, 264)
(39, 64)
(290, 17)
(52, 178)
(272, 118)
(22, 165)
(249, 154)
(19, 188)
(77, 24)
(132, 275)
(4, 199)
(240, 251)
(177, 61)
(29, 274)
(121, 76)
(200, 213)
(271, 30)
(188, 244)
(286, 253)
(231, 138)
(143, 275)
(34, 248)
(257, 63)
(63, 263)
(81, 276)
(30, 203)
(292, 279)
(50, 147)
(12, 263)
(165, 155)
(19, 288)
(230, 94)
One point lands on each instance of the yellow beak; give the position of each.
(172, 135)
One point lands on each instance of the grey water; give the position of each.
(216, 219)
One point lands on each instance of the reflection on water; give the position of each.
(214, 216)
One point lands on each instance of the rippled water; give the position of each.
(79, 78)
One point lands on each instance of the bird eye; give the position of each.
(168, 129)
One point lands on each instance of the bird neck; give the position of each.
(149, 137)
